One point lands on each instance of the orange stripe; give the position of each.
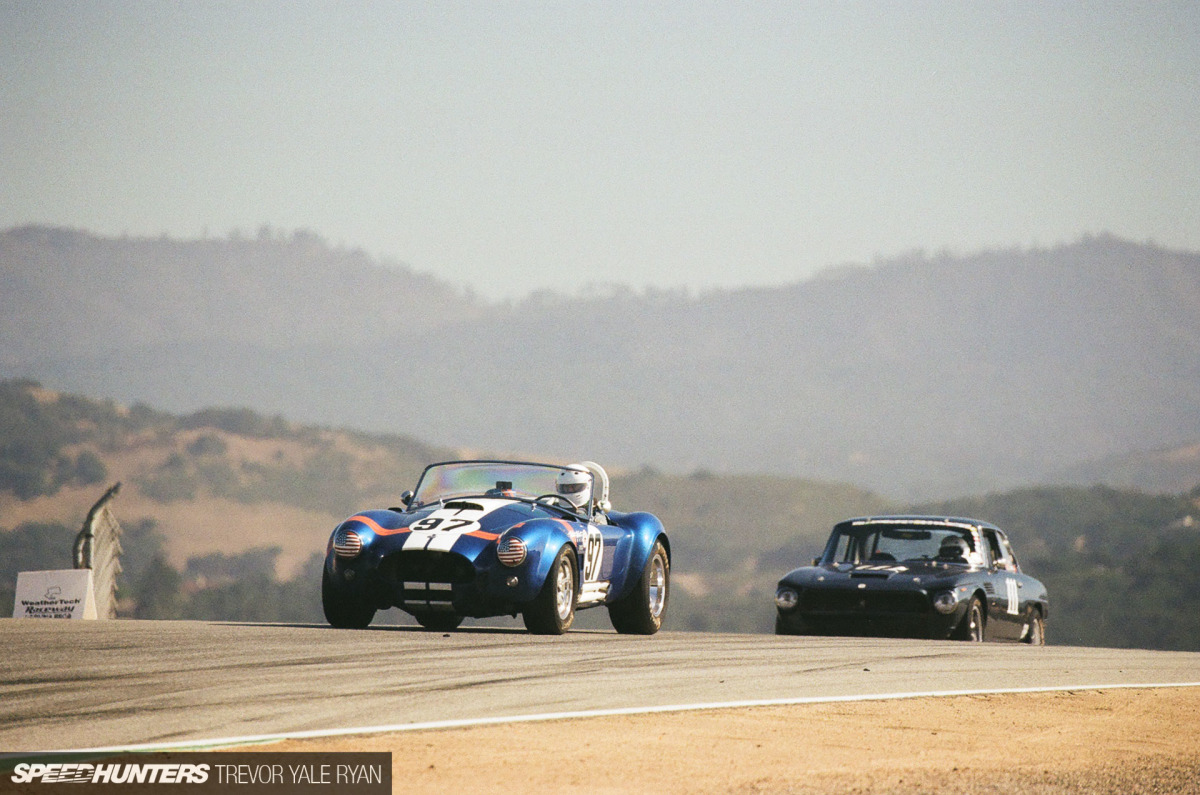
(485, 536)
(379, 529)
(383, 531)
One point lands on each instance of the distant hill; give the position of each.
(1171, 470)
(66, 293)
(919, 377)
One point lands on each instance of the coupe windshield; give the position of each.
(441, 482)
(884, 544)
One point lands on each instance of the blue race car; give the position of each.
(492, 538)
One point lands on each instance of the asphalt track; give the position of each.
(68, 685)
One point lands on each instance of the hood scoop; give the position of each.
(463, 505)
(870, 575)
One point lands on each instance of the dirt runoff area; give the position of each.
(1109, 741)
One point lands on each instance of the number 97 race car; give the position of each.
(492, 538)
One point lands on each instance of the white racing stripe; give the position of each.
(441, 529)
(259, 739)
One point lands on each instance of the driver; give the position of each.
(954, 548)
(574, 486)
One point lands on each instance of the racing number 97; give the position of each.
(434, 522)
(595, 555)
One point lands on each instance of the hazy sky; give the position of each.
(518, 145)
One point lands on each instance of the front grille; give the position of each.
(426, 566)
(434, 595)
(862, 602)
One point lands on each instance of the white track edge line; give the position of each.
(462, 723)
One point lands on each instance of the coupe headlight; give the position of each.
(347, 544)
(787, 598)
(945, 602)
(511, 551)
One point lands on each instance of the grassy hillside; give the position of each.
(226, 513)
(217, 480)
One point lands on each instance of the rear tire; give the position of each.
(342, 610)
(552, 611)
(642, 612)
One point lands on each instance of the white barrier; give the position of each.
(98, 547)
(67, 593)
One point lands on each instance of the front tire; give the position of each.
(642, 612)
(552, 611)
(1037, 630)
(794, 626)
(439, 622)
(971, 628)
(342, 610)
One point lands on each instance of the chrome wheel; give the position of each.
(1036, 635)
(564, 588)
(975, 625)
(972, 625)
(642, 611)
(657, 586)
(552, 611)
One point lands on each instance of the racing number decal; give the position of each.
(1014, 598)
(442, 523)
(874, 567)
(593, 555)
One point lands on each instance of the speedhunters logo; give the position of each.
(113, 773)
(197, 773)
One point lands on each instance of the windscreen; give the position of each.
(443, 482)
(884, 544)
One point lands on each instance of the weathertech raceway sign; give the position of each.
(198, 772)
(66, 593)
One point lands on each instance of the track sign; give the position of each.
(66, 593)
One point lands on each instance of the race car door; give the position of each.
(1005, 597)
(598, 556)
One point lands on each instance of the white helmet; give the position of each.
(575, 485)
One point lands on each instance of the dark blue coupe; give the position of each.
(914, 576)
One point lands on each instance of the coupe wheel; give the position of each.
(790, 626)
(552, 611)
(641, 613)
(971, 628)
(342, 610)
(1037, 630)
